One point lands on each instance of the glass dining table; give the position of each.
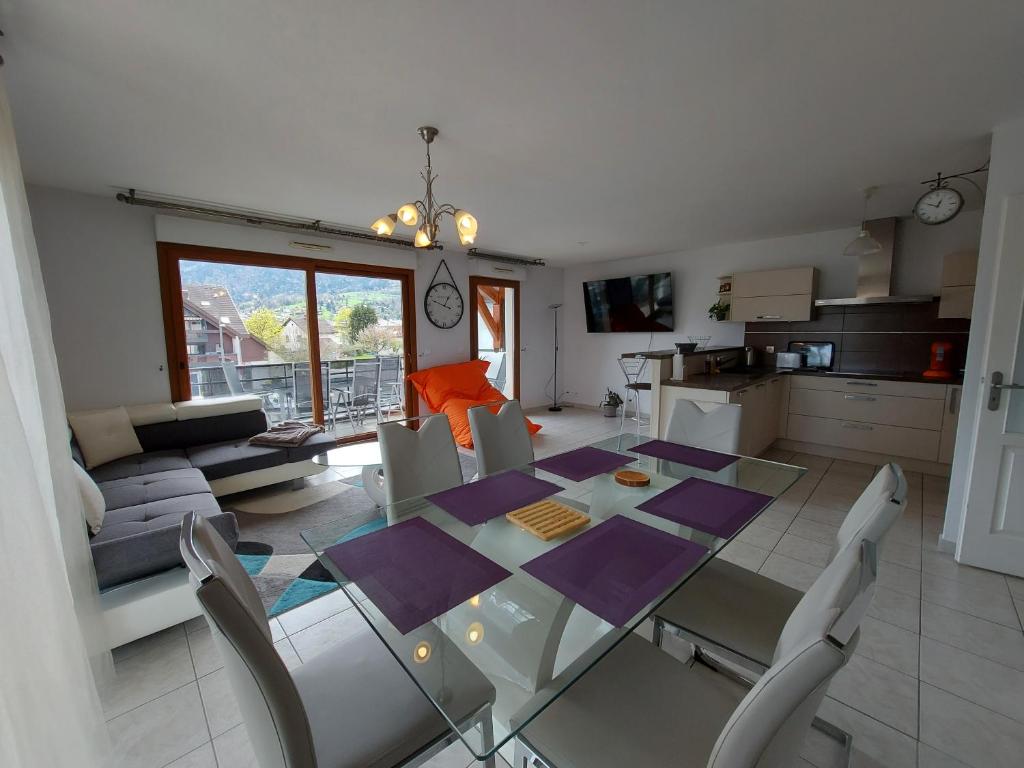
(521, 641)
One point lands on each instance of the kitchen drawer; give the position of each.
(761, 308)
(858, 436)
(870, 386)
(773, 282)
(889, 410)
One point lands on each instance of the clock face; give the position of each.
(938, 206)
(443, 305)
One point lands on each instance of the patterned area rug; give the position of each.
(271, 548)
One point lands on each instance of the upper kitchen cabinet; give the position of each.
(958, 273)
(774, 295)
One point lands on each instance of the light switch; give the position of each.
(770, 349)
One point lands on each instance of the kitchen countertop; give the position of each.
(734, 381)
(662, 354)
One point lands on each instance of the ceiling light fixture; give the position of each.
(426, 209)
(864, 244)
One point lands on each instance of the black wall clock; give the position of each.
(442, 303)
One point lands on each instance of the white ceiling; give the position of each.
(634, 127)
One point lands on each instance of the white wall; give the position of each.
(99, 265)
(1005, 179)
(590, 366)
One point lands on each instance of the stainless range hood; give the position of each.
(874, 273)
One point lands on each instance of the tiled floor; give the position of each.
(937, 680)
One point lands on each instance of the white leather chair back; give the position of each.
(713, 426)
(876, 509)
(500, 439)
(770, 724)
(418, 462)
(271, 707)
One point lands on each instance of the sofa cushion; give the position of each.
(234, 457)
(318, 443)
(156, 486)
(93, 504)
(191, 432)
(141, 464)
(104, 435)
(142, 540)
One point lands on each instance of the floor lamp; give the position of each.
(554, 392)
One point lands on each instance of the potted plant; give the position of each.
(611, 403)
(719, 310)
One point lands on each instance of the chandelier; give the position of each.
(428, 210)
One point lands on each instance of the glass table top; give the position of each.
(522, 640)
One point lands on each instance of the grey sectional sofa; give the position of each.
(189, 457)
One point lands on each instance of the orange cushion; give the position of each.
(458, 380)
(456, 409)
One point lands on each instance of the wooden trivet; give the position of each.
(548, 519)
(631, 478)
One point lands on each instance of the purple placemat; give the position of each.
(717, 509)
(582, 463)
(616, 568)
(686, 454)
(477, 502)
(413, 571)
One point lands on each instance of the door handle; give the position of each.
(769, 317)
(863, 398)
(861, 384)
(996, 390)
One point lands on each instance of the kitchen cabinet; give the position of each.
(956, 296)
(760, 415)
(894, 418)
(773, 295)
(951, 413)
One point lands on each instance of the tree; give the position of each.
(374, 339)
(343, 321)
(264, 326)
(363, 316)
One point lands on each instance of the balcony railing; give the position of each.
(286, 388)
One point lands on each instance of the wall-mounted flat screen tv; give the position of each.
(641, 304)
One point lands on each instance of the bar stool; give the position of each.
(633, 368)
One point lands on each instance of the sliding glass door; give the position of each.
(494, 330)
(324, 342)
(361, 337)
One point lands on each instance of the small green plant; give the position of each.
(719, 310)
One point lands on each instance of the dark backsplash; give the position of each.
(876, 338)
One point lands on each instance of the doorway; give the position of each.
(494, 330)
(243, 323)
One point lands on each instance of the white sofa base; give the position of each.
(146, 606)
(258, 478)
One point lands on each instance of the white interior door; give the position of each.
(993, 527)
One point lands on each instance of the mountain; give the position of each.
(284, 290)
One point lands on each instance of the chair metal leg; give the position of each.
(838, 734)
(659, 632)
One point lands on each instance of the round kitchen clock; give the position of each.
(442, 302)
(938, 205)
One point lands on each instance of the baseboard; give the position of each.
(867, 457)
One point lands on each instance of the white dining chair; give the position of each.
(501, 440)
(350, 706)
(416, 462)
(714, 426)
(642, 708)
(738, 615)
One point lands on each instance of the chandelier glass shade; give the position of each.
(427, 213)
(863, 244)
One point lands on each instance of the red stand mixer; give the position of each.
(941, 365)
